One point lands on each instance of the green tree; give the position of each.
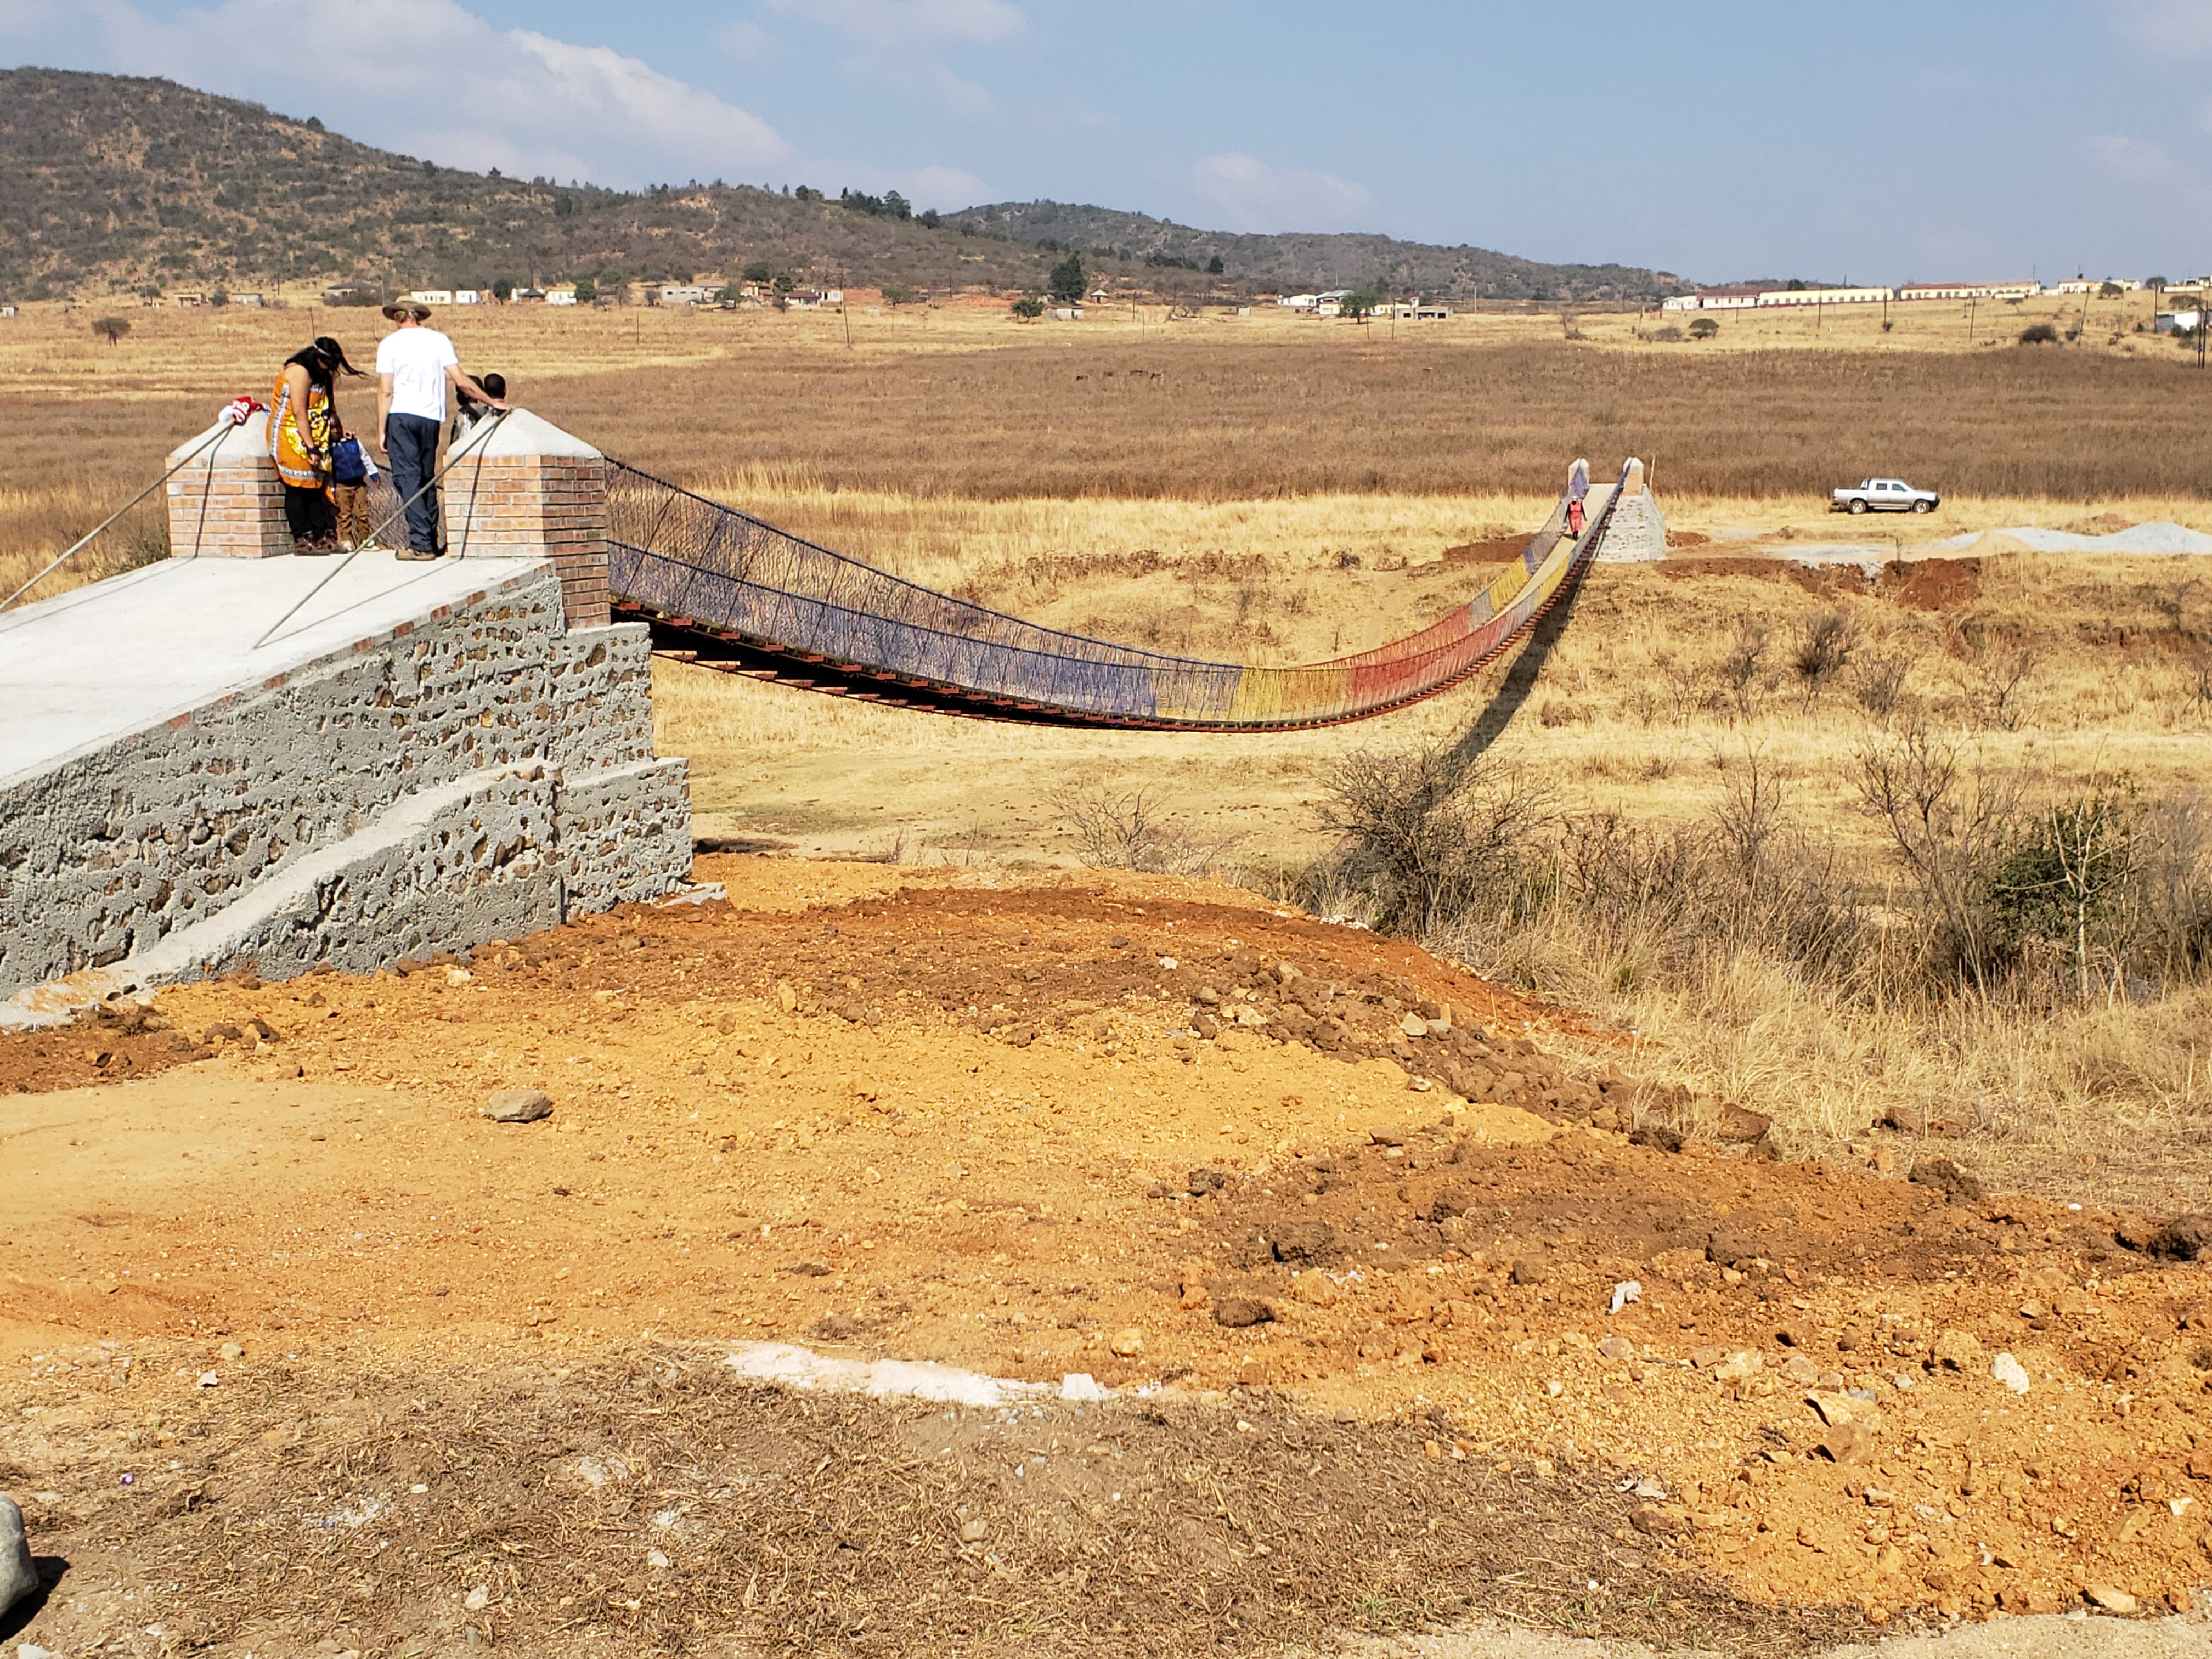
(1704, 328)
(1214, 267)
(757, 271)
(586, 290)
(110, 329)
(896, 295)
(1358, 304)
(1028, 307)
(502, 290)
(1064, 285)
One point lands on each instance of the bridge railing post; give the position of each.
(523, 489)
(228, 502)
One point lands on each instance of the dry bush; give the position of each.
(1742, 666)
(1127, 830)
(1424, 839)
(1781, 969)
(1825, 642)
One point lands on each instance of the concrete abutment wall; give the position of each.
(473, 770)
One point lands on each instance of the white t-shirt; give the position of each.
(416, 359)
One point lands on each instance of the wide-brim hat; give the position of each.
(414, 308)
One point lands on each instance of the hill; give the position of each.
(110, 184)
(1306, 261)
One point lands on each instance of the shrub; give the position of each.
(586, 290)
(110, 329)
(1128, 831)
(1670, 334)
(894, 295)
(1028, 307)
(1825, 644)
(1424, 840)
(2039, 334)
(1704, 328)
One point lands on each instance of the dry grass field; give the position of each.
(301, 1354)
(1270, 488)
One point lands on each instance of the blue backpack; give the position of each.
(348, 465)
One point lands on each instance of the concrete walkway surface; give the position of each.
(96, 662)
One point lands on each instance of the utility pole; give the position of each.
(1971, 300)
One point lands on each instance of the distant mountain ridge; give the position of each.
(110, 184)
(1294, 260)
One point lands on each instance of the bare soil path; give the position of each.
(298, 1347)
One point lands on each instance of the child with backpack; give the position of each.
(352, 473)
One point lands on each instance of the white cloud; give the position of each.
(1249, 194)
(2135, 160)
(885, 23)
(2169, 24)
(743, 39)
(411, 74)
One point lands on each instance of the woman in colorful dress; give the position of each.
(303, 426)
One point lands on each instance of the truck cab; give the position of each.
(1883, 495)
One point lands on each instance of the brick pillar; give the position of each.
(526, 489)
(228, 502)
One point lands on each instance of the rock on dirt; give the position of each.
(2184, 1238)
(1734, 1127)
(18, 1577)
(1958, 1351)
(1658, 1136)
(2109, 1597)
(2010, 1372)
(1948, 1178)
(1304, 1243)
(1204, 1180)
(1239, 1311)
(519, 1106)
(1127, 1343)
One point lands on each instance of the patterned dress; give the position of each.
(303, 458)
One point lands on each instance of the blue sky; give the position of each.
(1883, 141)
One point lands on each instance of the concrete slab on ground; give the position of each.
(95, 663)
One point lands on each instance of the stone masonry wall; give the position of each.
(106, 854)
(1637, 533)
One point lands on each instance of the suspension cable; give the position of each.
(212, 442)
(389, 519)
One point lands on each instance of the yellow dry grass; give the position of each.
(1622, 716)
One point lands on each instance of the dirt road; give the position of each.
(299, 1345)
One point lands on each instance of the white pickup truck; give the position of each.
(1884, 496)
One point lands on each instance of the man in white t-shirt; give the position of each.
(416, 369)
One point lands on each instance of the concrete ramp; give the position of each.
(424, 757)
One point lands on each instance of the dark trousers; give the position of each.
(411, 443)
(309, 515)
